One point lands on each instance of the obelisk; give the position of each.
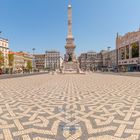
(70, 64)
(70, 46)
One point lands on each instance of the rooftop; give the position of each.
(3, 39)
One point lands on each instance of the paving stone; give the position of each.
(70, 107)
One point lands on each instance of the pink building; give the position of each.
(128, 51)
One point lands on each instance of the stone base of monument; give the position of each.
(70, 67)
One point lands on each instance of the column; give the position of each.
(69, 21)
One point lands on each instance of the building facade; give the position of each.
(82, 61)
(103, 61)
(21, 62)
(4, 48)
(39, 61)
(28, 60)
(89, 61)
(18, 63)
(128, 51)
(113, 59)
(52, 60)
(109, 59)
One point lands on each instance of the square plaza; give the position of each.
(70, 107)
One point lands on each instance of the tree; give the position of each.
(1, 59)
(11, 62)
(29, 65)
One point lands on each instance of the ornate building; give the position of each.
(21, 61)
(93, 61)
(49, 60)
(90, 61)
(39, 61)
(52, 60)
(128, 51)
(83, 61)
(18, 62)
(4, 48)
(109, 60)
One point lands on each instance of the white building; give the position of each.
(52, 60)
(4, 48)
(109, 59)
(88, 61)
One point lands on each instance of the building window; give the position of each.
(127, 52)
(135, 49)
(122, 54)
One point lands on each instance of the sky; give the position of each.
(42, 24)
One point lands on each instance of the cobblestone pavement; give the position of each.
(70, 107)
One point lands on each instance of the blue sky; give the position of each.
(42, 24)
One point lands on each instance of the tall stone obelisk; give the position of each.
(70, 46)
(70, 64)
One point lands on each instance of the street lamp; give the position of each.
(33, 50)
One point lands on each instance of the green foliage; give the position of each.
(11, 62)
(11, 59)
(29, 65)
(1, 59)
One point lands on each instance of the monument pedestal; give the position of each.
(70, 67)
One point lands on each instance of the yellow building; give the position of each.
(20, 61)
